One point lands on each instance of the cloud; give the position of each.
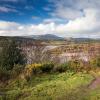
(54, 20)
(9, 0)
(72, 9)
(47, 8)
(7, 9)
(71, 13)
(13, 1)
(85, 26)
(70, 18)
(29, 7)
(4, 25)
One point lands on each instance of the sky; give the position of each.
(66, 18)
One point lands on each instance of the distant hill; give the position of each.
(85, 40)
(46, 37)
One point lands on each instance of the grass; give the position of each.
(95, 94)
(54, 86)
(49, 87)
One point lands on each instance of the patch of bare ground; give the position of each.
(95, 83)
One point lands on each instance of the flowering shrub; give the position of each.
(33, 68)
(38, 68)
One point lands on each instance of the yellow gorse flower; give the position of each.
(35, 65)
(30, 67)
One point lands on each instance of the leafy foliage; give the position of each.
(75, 65)
(95, 62)
(49, 86)
(11, 55)
(4, 75)
(62, 67)
(47, 67)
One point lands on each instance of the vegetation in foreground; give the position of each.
(55, 86)
(46, 81)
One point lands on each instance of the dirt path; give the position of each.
(95, 83)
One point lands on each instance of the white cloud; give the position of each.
(56, 20)
(83, 18)
(16, 29)
(6, 9)
(68, 13)
(72, 9)
(9, 0)
(86, 26)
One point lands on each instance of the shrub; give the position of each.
(95, 62)
(47, 67)
(75, 65)
(11, 55)
(4, 75)
(62, 67)
(33, 68)
(30, 70)
(17, 69)
(37, 69)
(98, 61)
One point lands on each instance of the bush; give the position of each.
(47, 67)
(17, 69)
(4, 75)
(37, 69)
(98, 61)
(75, 65)
(95, 62)
(11, 55)
(62, 67)
(33, 68)
(30, 70)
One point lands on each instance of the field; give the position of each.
(53, 86)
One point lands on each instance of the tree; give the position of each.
(11, 55)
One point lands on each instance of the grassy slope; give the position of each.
(64, 86)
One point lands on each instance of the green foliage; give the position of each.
(36, 70)
(48, 86)
(75, 65)
(17, 69)
(13, 95)
(95, 62)
(98, 61)
(63, 86)
(4, 75)
(62, 67)
(11, 55)
(47, 67)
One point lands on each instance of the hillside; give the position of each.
(55, 50)
(53, 69)
(46, 37)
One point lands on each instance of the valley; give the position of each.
(52, 70)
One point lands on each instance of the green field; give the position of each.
(55, 86)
